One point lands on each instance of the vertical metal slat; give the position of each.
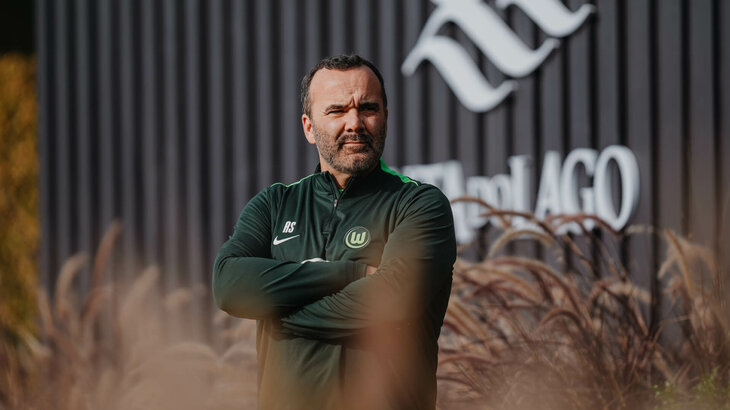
(217, 155)
(702, 133)
(83, 137)
(241, 110)
(44, 74)
(172, 218)
(291, 128)
(127, 135)
(150, 167)
(193, 197)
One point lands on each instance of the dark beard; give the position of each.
(332, 153)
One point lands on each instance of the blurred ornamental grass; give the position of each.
(19, 221)
(521, 333)
(135, 347)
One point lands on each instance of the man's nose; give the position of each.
(353, 121)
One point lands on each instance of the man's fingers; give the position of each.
(370, 270)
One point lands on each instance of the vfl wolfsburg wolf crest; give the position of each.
(357, 237)
(495, 39)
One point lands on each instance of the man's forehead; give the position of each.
(330, 84)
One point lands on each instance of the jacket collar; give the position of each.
(356, 186)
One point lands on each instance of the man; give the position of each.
(347, 271)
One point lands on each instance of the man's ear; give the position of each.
(307, 127)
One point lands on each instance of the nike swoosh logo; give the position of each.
(278, 241)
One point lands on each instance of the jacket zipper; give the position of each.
(328, 231)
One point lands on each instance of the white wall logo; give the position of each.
(558, 192)
(499, 43)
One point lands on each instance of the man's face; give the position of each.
(347, 121)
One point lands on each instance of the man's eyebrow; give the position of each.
(364, 104)
(370, 104)
(334, 107)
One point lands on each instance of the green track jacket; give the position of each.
(329, 337)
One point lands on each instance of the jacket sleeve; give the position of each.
(249, 283)
(416, 265)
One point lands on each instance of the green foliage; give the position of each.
(710, 392)
(18, 218)
(666, 397)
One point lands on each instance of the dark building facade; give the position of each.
(169, 115)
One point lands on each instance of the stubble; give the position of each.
(348, 159)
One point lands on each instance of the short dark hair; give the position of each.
(341, 62)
